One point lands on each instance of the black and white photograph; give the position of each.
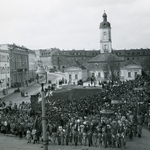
(74, 74)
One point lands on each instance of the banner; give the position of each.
(116, 102)
(138, 89)
(34, 103)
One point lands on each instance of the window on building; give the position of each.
(133, 58)
(128, 58)
(76, 76)
(135, 74)
(96, 64)
(99, 74)
(105, 75)
(129, 74)
(93, 74)
(128, 53)
(70, 76)
(105, 47)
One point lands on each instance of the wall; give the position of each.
(4, 70)
(132, 69)
(19, 68)
(32, 65)
(73, 71)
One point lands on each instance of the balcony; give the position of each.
(22, 69)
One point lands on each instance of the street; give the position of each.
(32, 89)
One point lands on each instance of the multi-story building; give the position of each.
(141, 56)
(4, 70)
(19, 63)
(32, 65)
(45, 58)
(130, 64)
(96, 60)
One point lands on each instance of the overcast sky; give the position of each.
(74, 24)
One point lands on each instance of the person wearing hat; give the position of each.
(139, 130)
(122, 140)
(67, 131)
(34, 135)
(20, 129)
(89, 137)
(70, 132)
(75, 137)
(80, 134)
(84, 138)
(94, 137)
(104, 137)
(85, 130)
(54, 133)
(58, 135)
(62, 136)
(28, 135)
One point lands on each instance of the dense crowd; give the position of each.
(94, 120)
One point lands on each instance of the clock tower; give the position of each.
(105, 35)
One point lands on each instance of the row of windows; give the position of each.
(136, 53)
(72, 54)
(71, 76)
(99, 74)
(130, 74)
(45, 54)
(134, 58)
(84, 54)
(16, 65)
(119, 53)
(4, 58)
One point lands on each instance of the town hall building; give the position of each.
(106, 65)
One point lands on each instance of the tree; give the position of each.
(111, 68)
(145, 63)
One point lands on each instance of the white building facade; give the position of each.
(74, 74)
(32, 65)
(4, 70)
(130, 71)
(105, 36)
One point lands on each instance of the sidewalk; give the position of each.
(11, 90)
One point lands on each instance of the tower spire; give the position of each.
(104, 16)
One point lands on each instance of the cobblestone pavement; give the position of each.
(8, 142)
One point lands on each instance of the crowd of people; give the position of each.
(108, 119)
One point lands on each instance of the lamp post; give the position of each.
(41, 72)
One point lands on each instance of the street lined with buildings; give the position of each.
(18, 64)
